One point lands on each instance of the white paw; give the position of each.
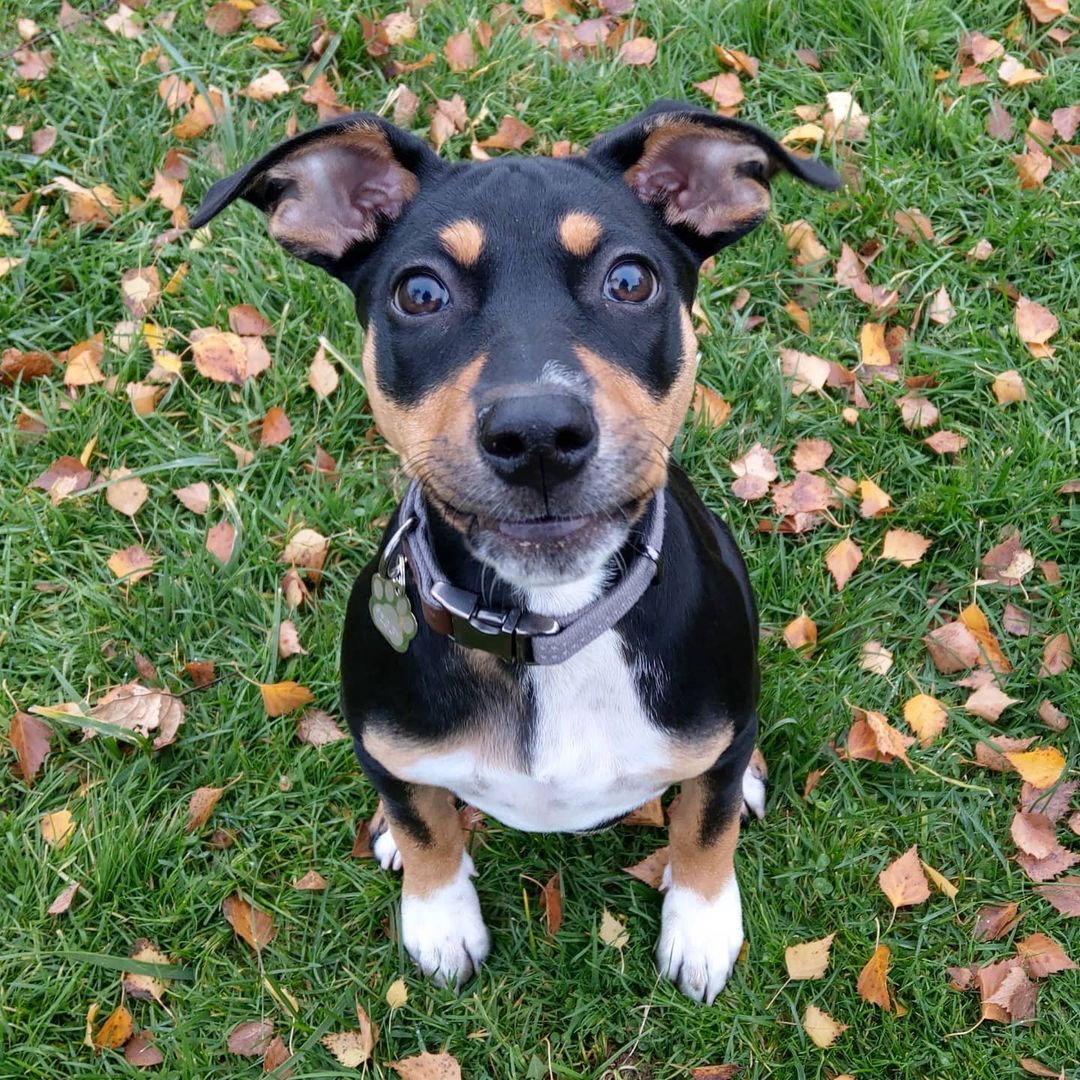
(700, 940)
(444, 931)
(753, 786)
(384, 848)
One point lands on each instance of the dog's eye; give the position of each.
(630, 283)
(421, 294)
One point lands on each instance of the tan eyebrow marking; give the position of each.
(464, 240)
(579, 233)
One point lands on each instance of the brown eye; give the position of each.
(630, 283)
(420, 294)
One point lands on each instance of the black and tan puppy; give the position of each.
(557, 629)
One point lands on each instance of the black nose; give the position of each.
(537, 439)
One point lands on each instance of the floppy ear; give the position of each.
(330, 192)
(708, 175)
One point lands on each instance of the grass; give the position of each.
(569, 1007)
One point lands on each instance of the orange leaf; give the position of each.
(201, 806)
(220, 356)
(926, 716)
(903, 880)
(115, 1031)
(872, 984)
(842, 561)
(282, 697)
(801, 633)
(907, 548)
(275, 427)
(254, 926)
(640, 51)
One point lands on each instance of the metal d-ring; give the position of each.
(396, 575)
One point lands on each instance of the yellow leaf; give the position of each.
(397, 994)
(613, 931)
(926, 716)
(872, 346)
(57, 828)
(941, 882)
(115, 1031)
(1041, 768)
(821, 1027)
(282, 697)
(808, 960)
(801, 633)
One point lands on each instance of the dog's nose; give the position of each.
(537, 439)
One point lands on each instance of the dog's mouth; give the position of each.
(556, 530)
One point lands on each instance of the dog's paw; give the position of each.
(444, 931)
(384, 848)
(753, 786)
(700, 940)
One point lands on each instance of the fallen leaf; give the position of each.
(903, 880)
(1063, 895)
(289, 640)
(118, 1028)
(842, 561)
(318, 728)
(251, 1038)
(1044, 11)
(875, 502)
(397, 994)
(196, 497)
(130, 563)
(140, 290)
(266, 87)
(1052, 716)
(30, 738)
(639, 51)
(872, 350)
(1056, 657)
(755, 470)
(872, 983)
(811, 454)
(953, 647)
(613, 931)
(1013, 73)
(512, 134)
(940, 881)
(844, 120)
(799, 315)
(650, 813)
(141, 710)
(221, 357)
(946, 442)
(926, 716)
(1008, 989)
(808, 960)
(989, 703)
(126, 496)
(651, 869)
(63, 899)
(875, 658)
(1041, 768)
(221, 541)
(995, 921)
(275, 427)
(57, 828)
(709, 407)
(914, 225)
(283, 697)
(907, 548)
(459, 52)
(141, 1052)
(872, 738)
(1037, 1068)
(201, 806)
(427, 1067)
(277, 1053)
(724, 89)
(1065, 122)
(254, 926)
(808, 372)
(801, 633)
(551, 903)
(322, 375)
(822, 1029)
(1033, 833)
(312, 881)
(83, 360)
(1032, 168)
(307, 549)
(146, 987)
(917, 412)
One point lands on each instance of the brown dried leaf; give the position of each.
(811, 454)
(903, 880)
(1063, 895)
(999, 124)
(459, 52)
(872, 350)
(63, 899)
(220, 356)
(30, 739)
(322, 375)
(806, 371)
(221, 541)
(724, 89)
(142, 710)
(651, 869)
(275, 427)
(254, 926)
(875, 658)
(875, 502)
(1033, 834)
(551, 903)
(57, 828)
(917, 412)
(989, 703)
(141, 1052)
(512, 134)
(130, 563)
(1042, 768)
(196, 497)
(146, 987)
(1057, 656)
(126, 496)
(251, 1038)
(318, 728)
(201, 806)
(995, 921)
(872, 983)
(842, 561)
(639, 51)
(650, 814)
(801, 633)
(312, 881)
(907, 548)
(709, 407)
(755, 470)
(953, 647)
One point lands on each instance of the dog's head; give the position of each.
(529, 349)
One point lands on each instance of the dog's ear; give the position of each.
(706, 174)
(329, 193)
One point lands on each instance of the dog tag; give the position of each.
(391, 612)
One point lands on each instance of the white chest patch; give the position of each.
(594, 753)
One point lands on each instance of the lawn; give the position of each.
(568, 1006)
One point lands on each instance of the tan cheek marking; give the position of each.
(621, 400)
(463, 240)
(444, 417)
(579, 233)
(706, 870)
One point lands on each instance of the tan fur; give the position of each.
(307, 233)
(579, 233)
(705, 870)
(427, 867)
(440, 424)
(622, 403)
(463, 240)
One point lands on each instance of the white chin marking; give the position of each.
(753, 793)
(444, 931)
(385, 850)
(700, 940)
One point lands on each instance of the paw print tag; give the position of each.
(391, 612)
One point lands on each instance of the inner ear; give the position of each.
(334, 192)
(712, 181)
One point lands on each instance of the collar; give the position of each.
(515, 634)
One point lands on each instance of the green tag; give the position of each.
(391, 613)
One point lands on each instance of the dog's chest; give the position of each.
(590, 751)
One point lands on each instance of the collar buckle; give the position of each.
(506, 634)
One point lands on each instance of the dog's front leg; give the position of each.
(441, 925)
(701, 929)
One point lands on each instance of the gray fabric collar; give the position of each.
(525, 636)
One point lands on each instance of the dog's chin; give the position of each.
(548, 551)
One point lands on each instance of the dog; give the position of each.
(556, 628)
